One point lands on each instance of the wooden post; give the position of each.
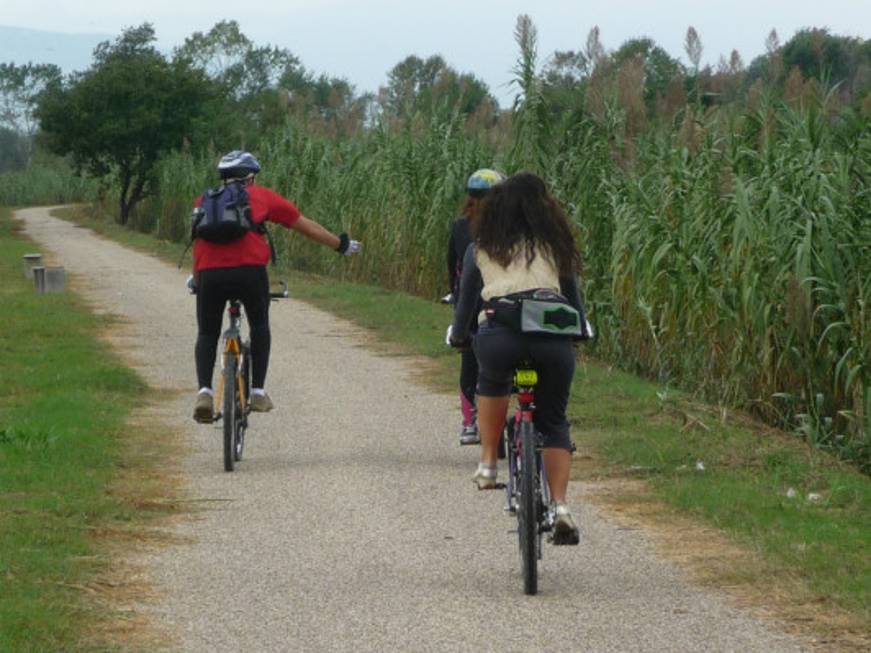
(31, 261)
(54, 279)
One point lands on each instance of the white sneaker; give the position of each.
(485, 477)
(204, 408)
(565, 531)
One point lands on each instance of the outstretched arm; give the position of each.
(314, 231)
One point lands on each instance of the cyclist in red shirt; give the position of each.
(237, 270)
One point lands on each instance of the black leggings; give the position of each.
(469, 376)
(500, 350)
(216, 287)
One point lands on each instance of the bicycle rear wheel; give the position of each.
(527, 510)
(228, 416)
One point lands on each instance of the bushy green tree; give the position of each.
(247, 77)
(565, 77)
(418, 85)
(818, 54)
(659, 67)
(124, 113)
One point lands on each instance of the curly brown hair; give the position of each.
(520, 211)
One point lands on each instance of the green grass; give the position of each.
(749, 472)
(63, 403)
(639, 428)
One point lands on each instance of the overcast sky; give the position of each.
(361, 41)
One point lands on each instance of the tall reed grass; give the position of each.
(45, 183)
(727, 251)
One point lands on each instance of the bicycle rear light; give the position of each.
(525, 378)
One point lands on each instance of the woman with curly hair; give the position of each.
(523, 247)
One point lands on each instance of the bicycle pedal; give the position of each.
(206, 420)
(565, 538)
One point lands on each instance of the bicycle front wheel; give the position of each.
(527, 517)
(242, 399)
(229, 414)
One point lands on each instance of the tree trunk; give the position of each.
(124, 205)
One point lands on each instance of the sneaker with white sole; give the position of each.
(204, 408)
(469, 435)
(261, 403)
(565, 531)
(485, 477)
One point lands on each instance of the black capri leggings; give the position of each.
(500, 349)
(216, 287)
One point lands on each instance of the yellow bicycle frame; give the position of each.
(232, 349)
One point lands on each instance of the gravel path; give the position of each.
(352, 523)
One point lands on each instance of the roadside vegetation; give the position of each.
(63, 404)
(724, 215)
(798, 515)
(723, 211)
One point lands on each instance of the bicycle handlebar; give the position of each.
(281, 294)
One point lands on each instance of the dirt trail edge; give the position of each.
(352, 523)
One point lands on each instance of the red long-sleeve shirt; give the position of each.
(252, 248)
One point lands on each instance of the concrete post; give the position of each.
(31, 261)
(38, 275)
(54, 279)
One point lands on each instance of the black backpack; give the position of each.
(224, 214)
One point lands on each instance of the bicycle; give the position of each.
(234, 384)
(527, 492)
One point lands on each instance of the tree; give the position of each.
(248, 78)
(229, 57)
(11, 151)
(659, 68)
(20, 87)
(418, 85)
(121, 115)
(820, 55)
(565, 76)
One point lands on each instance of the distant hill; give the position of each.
(69, 51)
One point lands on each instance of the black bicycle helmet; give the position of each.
(238, 164)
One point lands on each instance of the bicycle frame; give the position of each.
(519, 429)
(236, 370)
(523, 412)
(233, 346)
